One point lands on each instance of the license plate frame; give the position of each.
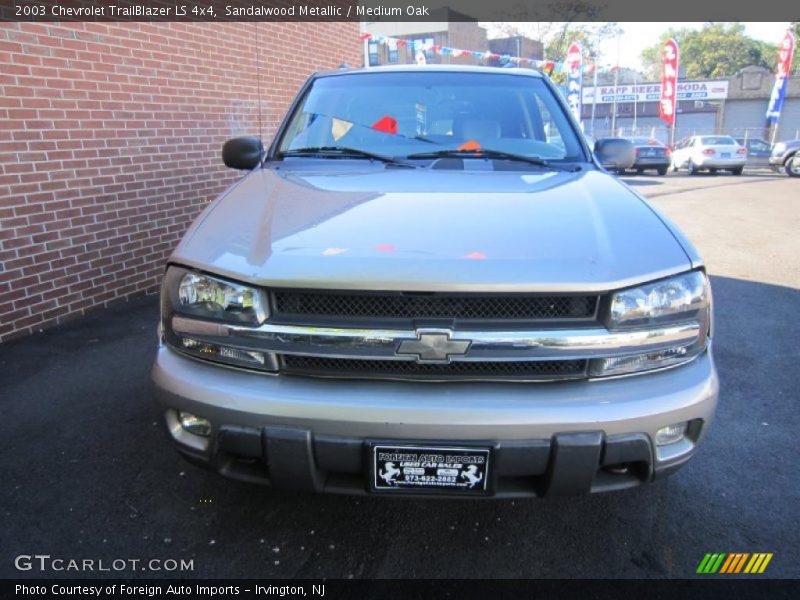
(725, 155)
(439, 469)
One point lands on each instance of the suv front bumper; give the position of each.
(546, 438)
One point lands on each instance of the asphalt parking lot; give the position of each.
(87, 472)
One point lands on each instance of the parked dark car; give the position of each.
(758, 151)
(649, 153)
(615, 153)
(785, 156)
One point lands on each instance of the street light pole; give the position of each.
(634, 102)
(614, 105)
(594, 95)
(616, 83)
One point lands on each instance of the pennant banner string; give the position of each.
(549, 66)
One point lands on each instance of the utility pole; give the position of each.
(616, 83)
(594, 95)
(634, 102)
(614, 105)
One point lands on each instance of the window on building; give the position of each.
(425, 43)
(429, 47)
(392, 53)
(374, 60)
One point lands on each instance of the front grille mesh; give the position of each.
(416, 306)
(369, 368)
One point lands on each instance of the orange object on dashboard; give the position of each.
(386, 124)
(470, 145)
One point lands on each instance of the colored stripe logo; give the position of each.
(735, 562)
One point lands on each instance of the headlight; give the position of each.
(198, 295)
(684, 298)
(195, 296)
(778, 148)
(675, 299)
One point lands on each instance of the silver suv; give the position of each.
(428, 285)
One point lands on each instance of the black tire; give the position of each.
(792, 166)
(662, 171)
(712, 171)
(639, 171)
(737, 170)
(691, 168)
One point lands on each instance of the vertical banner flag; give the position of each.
(669, 82)
(574, 64)
(782, 70)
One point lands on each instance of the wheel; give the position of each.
(662, 171)
(792, 166)
(712, 171)
(691, 168)
(737, 170)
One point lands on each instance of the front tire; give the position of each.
(792, 166)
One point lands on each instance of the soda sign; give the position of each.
(651, 92)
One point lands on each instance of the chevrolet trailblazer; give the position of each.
(428, 284)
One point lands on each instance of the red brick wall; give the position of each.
(110, 139)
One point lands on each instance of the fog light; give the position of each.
(194, 424)
(671, 434)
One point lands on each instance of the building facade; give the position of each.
(735, 106)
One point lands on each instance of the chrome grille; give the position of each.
(387, 369)
(397, 305)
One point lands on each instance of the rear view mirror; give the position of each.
(242, 153)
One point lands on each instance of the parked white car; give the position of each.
(709, 152)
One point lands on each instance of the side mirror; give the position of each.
(242, 153)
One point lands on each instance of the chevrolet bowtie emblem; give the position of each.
(433, 346)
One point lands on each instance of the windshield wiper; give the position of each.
(489, 153)
(344, 152)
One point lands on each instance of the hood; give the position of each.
(357, 225)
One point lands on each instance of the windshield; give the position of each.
(403, 113)
(718, 140)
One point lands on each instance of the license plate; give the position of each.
(430, 469)
(725, 155)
